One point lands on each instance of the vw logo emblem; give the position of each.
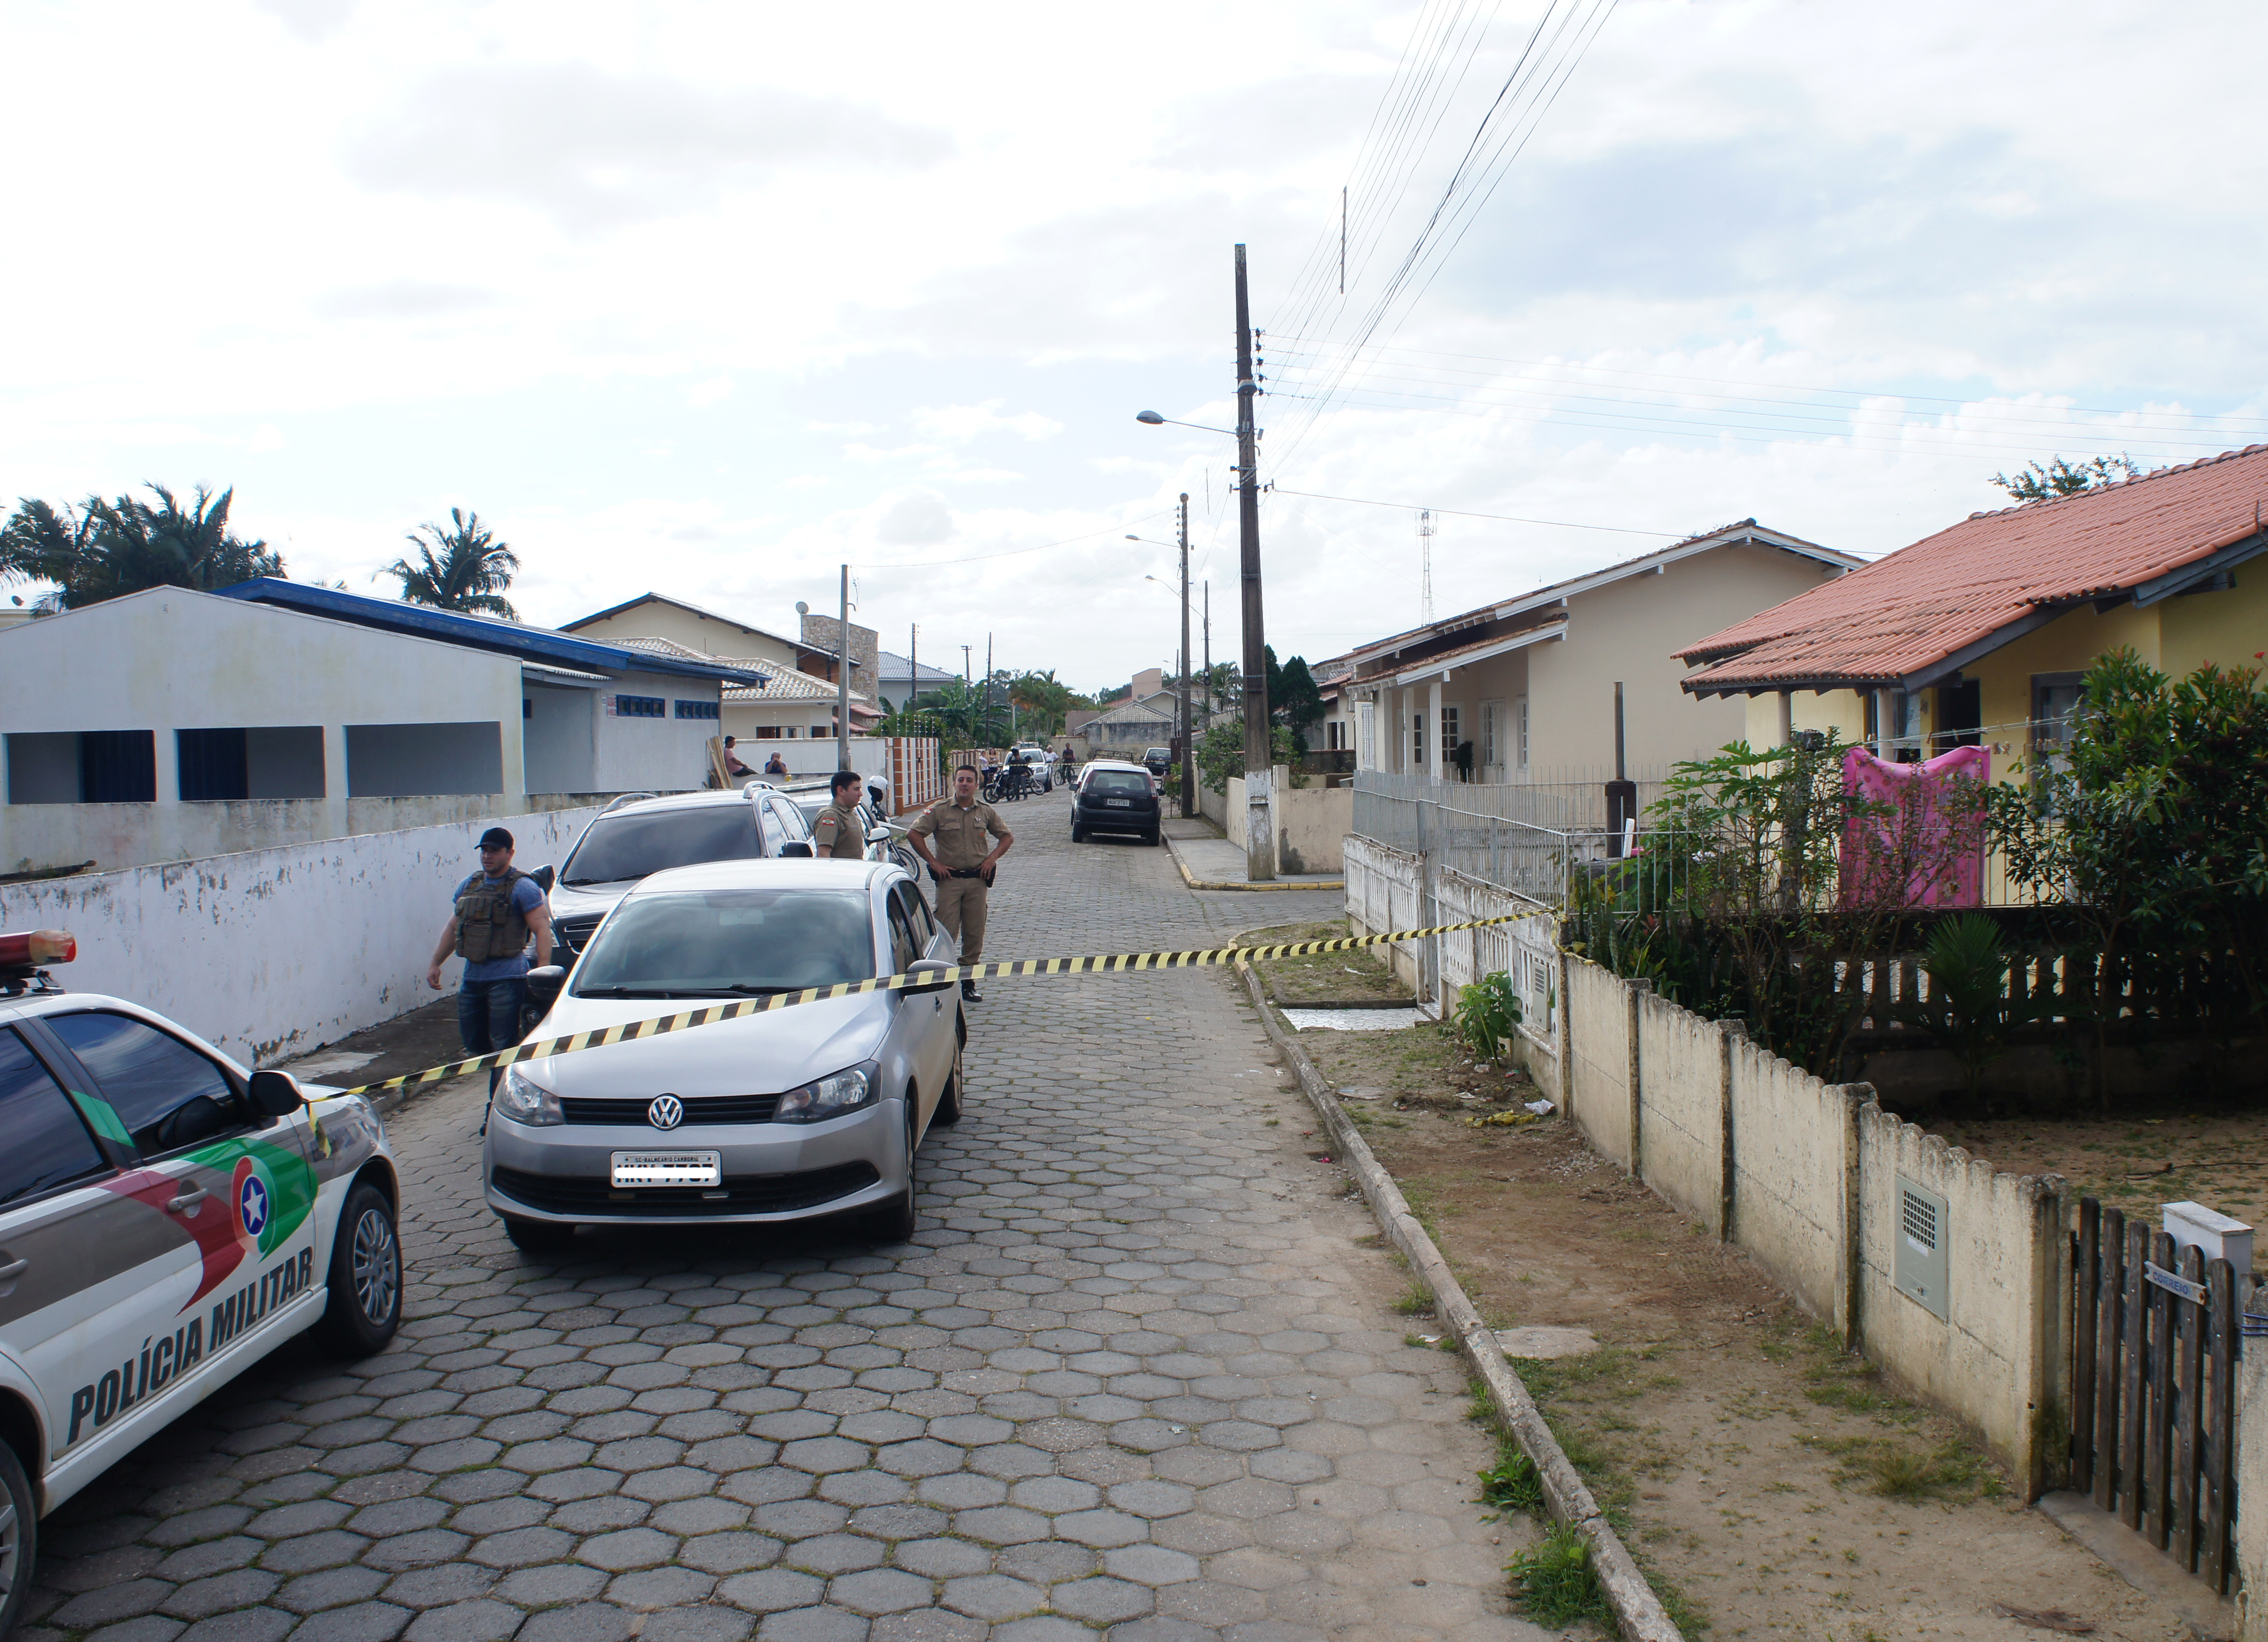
(253, 1204)
(666, 1112)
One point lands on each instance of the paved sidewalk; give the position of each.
(1208, 859)
(1134, 1377)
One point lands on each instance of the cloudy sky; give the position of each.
(711, 298)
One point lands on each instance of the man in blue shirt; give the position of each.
(496, 909)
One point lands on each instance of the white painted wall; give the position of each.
(664, 754)
(558, 733)
(272, 953)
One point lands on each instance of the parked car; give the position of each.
(1044, 769)
(163, 1226)
(816, 1110)
(1117, 797)
(1158, 761)
(637, 836)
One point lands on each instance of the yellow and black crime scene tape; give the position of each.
(739, 1008)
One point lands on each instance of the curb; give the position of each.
(1638, 1613)
(1195, 882)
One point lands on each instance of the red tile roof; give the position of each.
(1924, 605)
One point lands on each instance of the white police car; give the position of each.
(166, 1218)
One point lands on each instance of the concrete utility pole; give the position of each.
(1259, 758)
(1208, 650)
(842, 681)
(1188, 749)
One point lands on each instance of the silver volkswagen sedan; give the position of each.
(816, 1110)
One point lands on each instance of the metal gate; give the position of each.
(2155, 1341)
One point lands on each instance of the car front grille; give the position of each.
(740, 1194)
(619, 1109)
(575, 933)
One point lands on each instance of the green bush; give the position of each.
(1553, 1580)
(1486, 1015)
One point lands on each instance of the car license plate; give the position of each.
(668, 1168)
(1120, 804)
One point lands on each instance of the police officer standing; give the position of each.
(962, 864)
(496, 909)
(835, 834)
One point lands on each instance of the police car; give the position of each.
(166, 1218)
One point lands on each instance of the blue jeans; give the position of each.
(488, 1016)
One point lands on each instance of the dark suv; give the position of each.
(1116, 797)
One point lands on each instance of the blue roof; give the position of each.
(477, 632)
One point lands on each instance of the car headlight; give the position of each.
(829, 1097)
(524, 1101)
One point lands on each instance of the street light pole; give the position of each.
(1188, 750)
(842, 681)
(1259, 760)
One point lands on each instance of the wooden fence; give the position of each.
(2154, 1387)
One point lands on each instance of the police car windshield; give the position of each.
(729, 943)
(617, 847)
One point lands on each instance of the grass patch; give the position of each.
(1892, 1469)
(1512, 1483)
(1417, 1301)
(1553, 1581)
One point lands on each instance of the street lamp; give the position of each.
(1154, 419)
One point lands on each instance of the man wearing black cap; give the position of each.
(496, 909)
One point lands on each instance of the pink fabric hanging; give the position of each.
(1942, 869)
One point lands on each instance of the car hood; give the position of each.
(583, 900)
(756, 1054)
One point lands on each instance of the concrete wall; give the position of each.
(558, 738)
(1311, 821)
(1794, 1152)
(272, 953)
(2252, 1483)
(1602, 1059)
(1685, 1072)
(664, 754)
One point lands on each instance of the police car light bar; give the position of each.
(32, 948)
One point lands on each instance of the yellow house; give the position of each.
(1981, 633)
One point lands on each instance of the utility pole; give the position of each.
(913, 664)
(842, 681)
(1208, 650)
(966, 677)
(1188, 749)
(988, 683)
(1259, 759)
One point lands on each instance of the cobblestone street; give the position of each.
(1134, 1377)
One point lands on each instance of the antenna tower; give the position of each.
(1426, 560)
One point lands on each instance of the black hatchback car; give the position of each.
(1117, 797)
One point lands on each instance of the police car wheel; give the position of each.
(893, 1222)
(365, 1281)
(19, 1537)
(538, 1237)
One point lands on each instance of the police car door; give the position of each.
(67, 1241)
(235, 1191)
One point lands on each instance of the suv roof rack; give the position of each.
(627, 797)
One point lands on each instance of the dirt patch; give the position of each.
(1771, 1484)
(2220, 1160)
(1330, 977)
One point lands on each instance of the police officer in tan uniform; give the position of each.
(836, 835)
(962, 864)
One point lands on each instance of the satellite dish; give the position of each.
(802, 608)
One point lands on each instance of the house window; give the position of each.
(220, 766)
(1417, 740)
(1451, 735)
(697, 710)
(2055, 706)
(1490, 712)
(768, 732)
(1520, 733)
(83, 767)
(1365, 734)
(641, 707)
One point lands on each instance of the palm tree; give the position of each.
(463, 567)
(102, 550)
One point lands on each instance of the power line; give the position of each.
(1509, 518)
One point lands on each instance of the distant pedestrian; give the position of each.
(733, 765)
(775, 765)
(961, 865)
(497, 909)
(837, 834)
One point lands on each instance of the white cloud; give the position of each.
(961, 423)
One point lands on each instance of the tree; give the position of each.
(2037, 484)
(1044, 703)
(1293, 699)
(1220, 751)
(463, 567)
(102, 550)
(956, 713)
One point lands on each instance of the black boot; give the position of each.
(969, 994)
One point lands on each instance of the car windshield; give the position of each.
(1123, 781)
(617, 847)
(729, 943)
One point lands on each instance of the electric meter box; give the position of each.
(1919, 1269)
(2192, 1225)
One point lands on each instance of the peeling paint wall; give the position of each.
(272, 953)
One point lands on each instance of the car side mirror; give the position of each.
(544, 877)
(275, 1093)
(877, 834)
(543, 984)
(929, 966)
(795, 847)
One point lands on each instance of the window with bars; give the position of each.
(697, 710)
(641, 707)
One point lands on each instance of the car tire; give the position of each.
(20, 1538)
(1156, 837)
(366, 1278)
(1078, 833)
(894, 1222)
(538, 1237)
(948, 1104)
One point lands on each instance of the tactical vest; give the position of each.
(489, 926)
